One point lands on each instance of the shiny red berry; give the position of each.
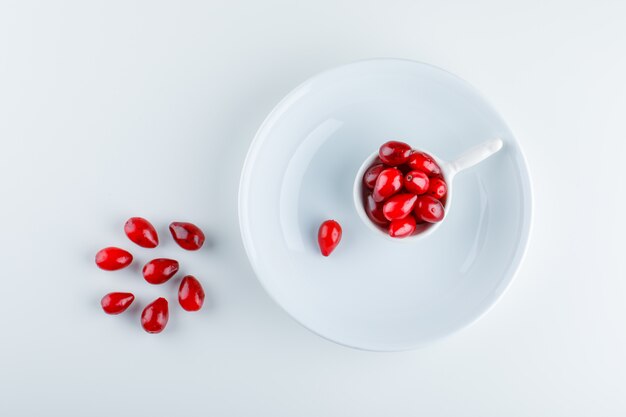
(158, 271)
(154, 317)
(328, 236)
(187, 235)
(429, 209)
(388, 183)
(394, 153)
(425, 163)
(112, 259)
(437, 188)
(116, 302)
(399, 206)
(374, 211)
(416, 182)
(402, 227)
(370, 176)
(190, 294)
(141, 232)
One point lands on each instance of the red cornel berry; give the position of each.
(329, 236)
(116, 302)
(416, 182)
(155, 316)
(399, 206)
(437, 188)
(160, 270)
(388, 183)
(423, 162)
(394, 153)
(190, 294)
(371, 175)
(141, 232)
(112, 258)
(402, 227)
(429, 209)
(187, 235)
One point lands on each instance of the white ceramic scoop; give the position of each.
(467, 160)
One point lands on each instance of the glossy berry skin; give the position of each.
(416, 182)
(328, 236)
(437, 188)
(141, 232)
(160, 270)
(394, 153)
(112, 258)
(399, 206)
(116, 302)
(429, 209)
(421, 161)
(190, 294)
(155, 316)
(370, 176)
(387, 184)
(374, 211)
(187, 235)
(402, 227)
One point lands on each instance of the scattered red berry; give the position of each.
(116, 302)
(370, 176)
(399, 206)
(388, 183)
(402, 227)
(159, 270)
(141, 232)
(423, 162)
(154, 317)
(190, 294)
(437, 188)
(394, 153)
(329, 236)
(112, 259)
(187, 235)
(429, 209)
(416, 182)
(374, 211)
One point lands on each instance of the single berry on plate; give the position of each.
(388, 183)
(190, 294)
(155, 316)
(437, 188)
(399, 206)
(423, 162)
(187, 235)
(394, 153)
(159, 270)
(374, 211)
(429, 209)
(112, 258)
(328, 236)
(370, 176)
(116, 302)
(416, 182)
(141, 232)
(402, 227)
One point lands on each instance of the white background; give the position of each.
(118, 108)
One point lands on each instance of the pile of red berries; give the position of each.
(158, 271)
(403, 188)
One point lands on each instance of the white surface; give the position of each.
(112, 109)
(375, 292)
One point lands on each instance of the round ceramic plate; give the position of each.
(375, 293)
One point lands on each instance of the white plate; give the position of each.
(373, 293)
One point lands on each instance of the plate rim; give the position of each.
(254, 147)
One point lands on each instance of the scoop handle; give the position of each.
(476, 155)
